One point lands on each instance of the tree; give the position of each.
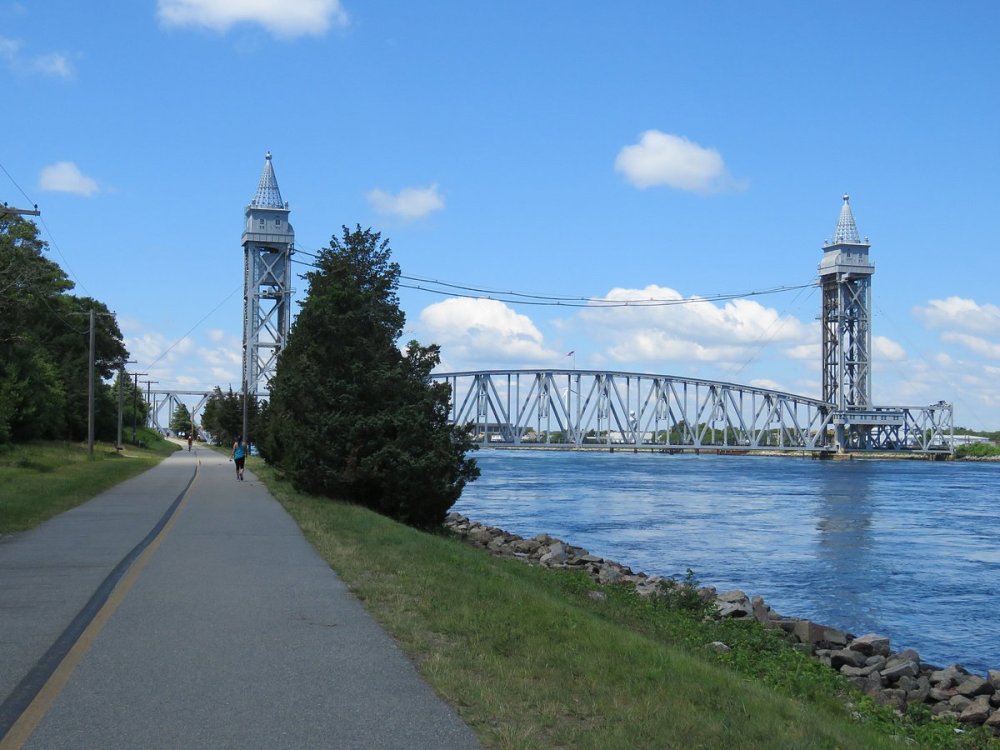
(44, 345)
(222, 417)
(352, 417)
(180, 420)
(135, 410)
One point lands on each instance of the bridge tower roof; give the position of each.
(847, 230)
(268, 195)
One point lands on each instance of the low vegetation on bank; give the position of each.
(39, 480)
(535, 658)
(978, 450)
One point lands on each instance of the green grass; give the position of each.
(530, 660)
(41, 480)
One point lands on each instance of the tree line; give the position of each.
(45, 347)
(351, 415)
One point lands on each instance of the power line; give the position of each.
(52, 239)
(525, 298)
(15, 183)
(170, 348)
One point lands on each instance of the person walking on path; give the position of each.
(239, 456)
(190, 440)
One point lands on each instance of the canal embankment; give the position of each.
(899, 679)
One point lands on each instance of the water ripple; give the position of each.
(903, 548)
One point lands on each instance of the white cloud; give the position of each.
(805, 352)
(772, 385)
(958, 313)
(221, 356)
(886, 349)
(975, 344)
(283, 18)
(672, 160)
(410, 203)
(482, 332)
(51, 63)
(66, 177)
(9, 48)
(187, 364)
(692, 331)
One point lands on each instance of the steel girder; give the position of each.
(847, 335)
(266, 312)
(925, 429)
(171, 400)
(576, 408)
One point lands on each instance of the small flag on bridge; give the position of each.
(570, 354)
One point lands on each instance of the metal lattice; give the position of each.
(268, 242)
(593, 408)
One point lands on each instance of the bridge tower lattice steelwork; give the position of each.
(268, 242)
(845, 274)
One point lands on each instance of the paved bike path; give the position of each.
(234, 634)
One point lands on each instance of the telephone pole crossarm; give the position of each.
(6, 211)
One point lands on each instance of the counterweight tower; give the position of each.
(268, 241)
(846, 278)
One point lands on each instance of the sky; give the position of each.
(640, 150)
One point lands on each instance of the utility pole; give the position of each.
(91, 366)
(135, 401)
(245, 418)
(121, 399)
(6, 211)
(149, 393)
(90, 385)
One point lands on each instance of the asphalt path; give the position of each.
(224, 629)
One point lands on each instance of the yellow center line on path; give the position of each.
(32, 716)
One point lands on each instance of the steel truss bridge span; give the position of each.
(596, 408)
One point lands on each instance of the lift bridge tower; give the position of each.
(268, 241)
(845, 275)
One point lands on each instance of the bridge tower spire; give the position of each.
(268, 241)
(845, 274)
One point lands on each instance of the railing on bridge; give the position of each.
(581, 408)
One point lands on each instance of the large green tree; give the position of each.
(180, 420)
(222, 417)
(44, 345)
(351, 416)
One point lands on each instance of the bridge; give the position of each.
(604, 409)
(591, 407)
(163, 403)
(599, 408)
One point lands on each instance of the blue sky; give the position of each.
(644, 149)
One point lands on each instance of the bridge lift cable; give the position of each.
(166, 351)
(766, 337)
(525, 298)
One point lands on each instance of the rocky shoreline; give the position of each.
(896, 679)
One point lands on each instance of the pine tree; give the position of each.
(352, 417)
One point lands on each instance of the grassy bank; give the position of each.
(41, 480)
(534, 658)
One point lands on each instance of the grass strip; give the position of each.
(532, 658)
(43, 479)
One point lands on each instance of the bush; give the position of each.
(977, 450)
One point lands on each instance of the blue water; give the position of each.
(907, 549)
